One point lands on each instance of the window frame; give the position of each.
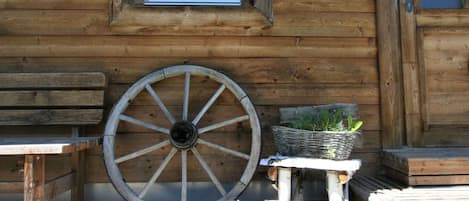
(132, 13)
(192, 2)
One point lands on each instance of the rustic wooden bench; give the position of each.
(50, 99)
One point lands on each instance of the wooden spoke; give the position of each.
(209, 171)
(184, 175)
(224, 149)
(208, 104)
(142, 152)
(160, 103)
(143, 123)
(223, 124)
(157, 173)
(187, 82)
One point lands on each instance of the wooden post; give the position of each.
(392, 106)
(78, 166)
(284, 184)
(466, 3)
(334, 188)
(410, 71)
(34, 177)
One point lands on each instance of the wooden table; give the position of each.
(35, 186)
(332, 168)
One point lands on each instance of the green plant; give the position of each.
(326, 121)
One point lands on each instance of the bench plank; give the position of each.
(51, 117)
(52, 80)
(20, 146)
(54, 98)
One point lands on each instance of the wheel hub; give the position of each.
(183, 135)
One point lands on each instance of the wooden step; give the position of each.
(383, 189)
(428, 166)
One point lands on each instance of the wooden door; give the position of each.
(435, 62)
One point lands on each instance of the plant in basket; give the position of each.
(327, 131)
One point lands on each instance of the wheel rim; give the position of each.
(184, 134)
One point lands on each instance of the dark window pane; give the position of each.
(441, 4)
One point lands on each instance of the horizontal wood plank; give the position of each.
(428, 166)
(450, 17)
(269, 94)
(54, 22)
(325, 6)
(123, 46)
(243, 70)
(52, 98)
(51, 117)
(54, 4)
(11, 187)
(52, 80)
(439, 136)
(439, 180)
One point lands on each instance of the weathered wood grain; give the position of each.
(440, 137)
(34, 178)
(51, 117)
(59, 185)
(446, 78)
(428, 166)
(448, 18)
(54, 98)
(410, 72)
(53, 22)
(54, 4)
(383, 189)
(273, 94)
(392, 105)
(325, 6)
(11, 187)
(96, 22)
(51, 80)
(245, 70)
(191, 16)
(327, 46)
(124, 46)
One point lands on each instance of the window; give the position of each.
(192, 2)
(442, 4)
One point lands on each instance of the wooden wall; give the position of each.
(317, 52)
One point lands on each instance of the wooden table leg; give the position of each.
(334, 188)
(284, 184)
(78, 166)
(34, 177)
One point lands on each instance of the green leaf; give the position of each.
(356, 125)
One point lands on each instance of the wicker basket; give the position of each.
(317, 144)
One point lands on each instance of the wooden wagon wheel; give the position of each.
(183, 135)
